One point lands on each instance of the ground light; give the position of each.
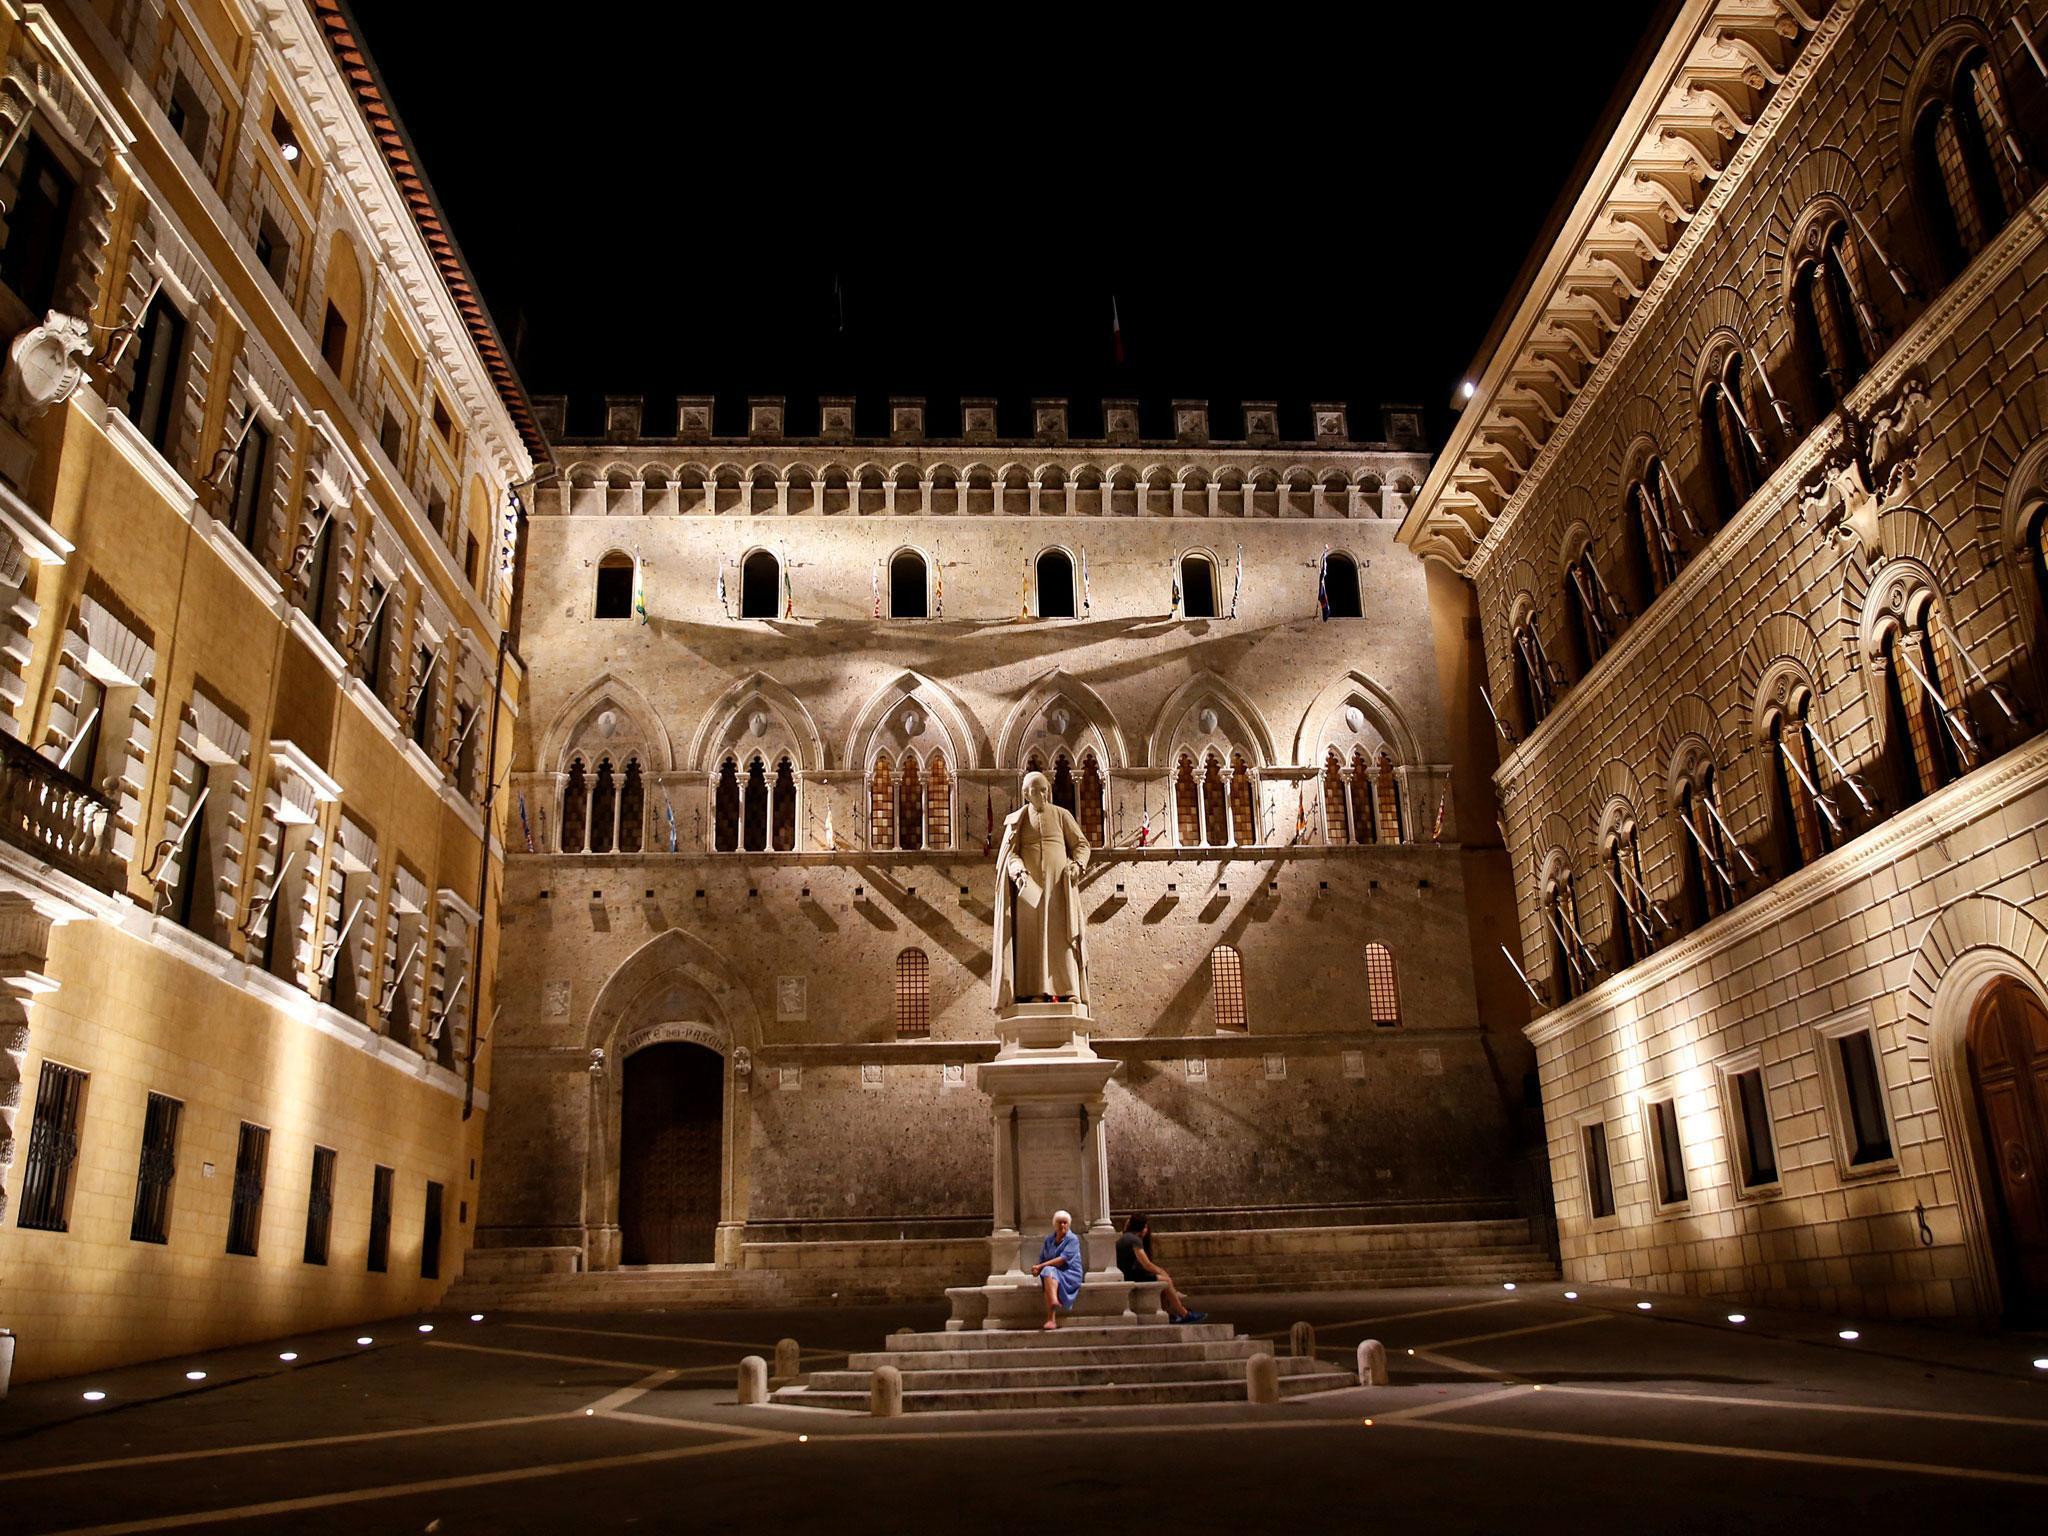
(95, 1397)
(1508, 1285)
(476, 1317)
(1571, 1295)
(1737, 1317)
(1849, 1334)
(426, 1327)
(289, 1356)
(364, 1339)
(1642, 1306)
(195, 1375)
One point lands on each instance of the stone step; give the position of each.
(914, 1362)
(1325, 1378)
(1077, 1337)
(1003, 1377)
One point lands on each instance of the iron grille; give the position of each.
(1384, 990)
(913, 995)
(245, 1215)
(320, 1206)
(380, 1221)
(151, 1222)
(52, 1149)
(1226, 989)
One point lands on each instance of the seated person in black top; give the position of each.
(1134, 1258)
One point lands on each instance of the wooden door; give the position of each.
(670, 1126)
(2008, 1051)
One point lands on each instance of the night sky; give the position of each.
(1283, 206)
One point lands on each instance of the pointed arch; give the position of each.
(583, 707)
(729, 714)
(969, 747)
(1355, 688)
(672, 975)
(1057, 685)
(1203, 686)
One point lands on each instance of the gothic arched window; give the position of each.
(1652, 525)
(632, 808)
(910, 805)
(1091, 814)
(938, 803)
(1388, 794)
(1365, 820)
(1928, 740)
(881, 804)
(1063, 783)
(1589, 609)
(782, 808)
(575, 808)
(1187, 804)
(1709, 882)
(1569, 974)
(604, 808)
(1244, 822)
(1965, 152)
(725, 808)
(1534, 675)
(754, 808)
(1055, 569)
(1336, 800)
(1341, 587)
(760, 586)
(1215, 803)
(1226, 990)
(1798, 815)
(1631, 915)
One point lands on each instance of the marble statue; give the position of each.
(1041, 947)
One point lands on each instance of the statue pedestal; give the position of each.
(1046, 1087)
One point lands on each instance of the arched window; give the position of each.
(1389, 796)
(1226, 990)
(1091, 814)
(1832, 320)
(1709, 881)
(754, 809)
(1965, 151)
(2035, 523)
(1187, 803)
(782, 808)
(1570, 967)
(1801, 818)
(1654, 518)
(1735, 453)
(1929, 739)
(1590, 609)
(760, 586)
(1365, 818)
(881, 804)
(632, 808)
(1197, 587)
(604, 808)
(1340, 587)
(909, 586)
(1244, 823)
(725, 808)
(913, 995)
(1383, 988)
(1632, 917)
(1534, 675)
(1063, 783)
(615, 586)
(1055, 585)
(910, 805)
(1336, 800)
(1215, 803)
(938, 803)
(575, 808)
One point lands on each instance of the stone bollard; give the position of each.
(753, 1381)
(6, 1359)
(1301, 1339)
(885, 1393)
(906, 1328)
(1372, 1363)
(1262, 1379)
(788, 1360)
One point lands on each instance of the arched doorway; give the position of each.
(670, 1123)
(2007, 1049)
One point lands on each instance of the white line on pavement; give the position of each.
(534, 1354)
(1943, 1415)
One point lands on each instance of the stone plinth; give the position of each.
(1045, 1089)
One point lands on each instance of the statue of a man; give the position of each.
(1041, 952)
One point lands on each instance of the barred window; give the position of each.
(1389, 788)
(1336, 803)
(430, 1232)
(380, 1221)
(320, 1206)
(1364, 818)
(1186, 804)
(1382, 986)
(938, 803)
(245, 1212)
(910, 805)
(1090, 814)
(158, 1167)
(52, 1149)
(1244, 823)
(913, 995)
(1226, 990)
(1734, 452)
(881, 804)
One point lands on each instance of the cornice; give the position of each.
(1984, 790)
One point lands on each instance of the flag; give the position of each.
(1323, 586)
(525, 826)
(1116, 331)
(639, 589)
(788, 589)
(875, 581)
(1239, 585)
(671, 810)
(938, 587)
(724, 607)
(1176, 587)
(988, 831)
(829, 843)
(1437, 834)
(1024, 590)
(1145, 824)
(1086, 606)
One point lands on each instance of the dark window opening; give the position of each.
(334, 339)
(391, 438)
(615, 587)
(273, 249)
(1863, 1089)
(725, 809)
(1669, 1152)
(782, 809)
(1340, 582)
(320, 1206)
(1752, 1106)
(909, 587)
(188, 117)
(379, 1259)
(155, 1170)
(1599, 1179)
(1197, 587)
(1055, 585)
(252, 482)
(430, 1232)
(37, 225)
(759, 575)
(754, 813)
(245, 1213)
(159, 366)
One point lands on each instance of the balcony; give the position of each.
(55, 818)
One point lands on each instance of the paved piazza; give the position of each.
(1527, 1411)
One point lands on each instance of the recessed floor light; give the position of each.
(426, 1327)
(195, 1375)
(1738, 1317)
(1508, 1285)
(1571, 1295)
(1849, 1334)
(289, 1356)
(95, 1397)
(2041, 1364)
(364, 1339)
(1642, 1306)
(476, 1317)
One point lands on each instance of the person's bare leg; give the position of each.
(1051, 1284)
(1175, 1307)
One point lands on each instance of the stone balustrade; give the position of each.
(54, 817)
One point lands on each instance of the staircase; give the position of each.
(1109, 1367)
(1378, 1257)
(680, 1286)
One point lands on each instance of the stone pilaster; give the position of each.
(24, 950)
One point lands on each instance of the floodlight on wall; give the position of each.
(1467, 390)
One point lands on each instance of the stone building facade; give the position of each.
(255, 443)
(783, 694)
(1750, 492)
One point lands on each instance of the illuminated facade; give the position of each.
(255, 442)
(1750, 490)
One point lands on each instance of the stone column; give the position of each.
(1215, 492)
(782, 495)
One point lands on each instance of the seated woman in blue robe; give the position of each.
(1059, 1267)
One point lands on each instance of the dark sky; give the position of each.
(1285, 206)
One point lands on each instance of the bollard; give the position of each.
(1301, 1339)
(906, 1328)
(1262, 1379)
(788, 1360)
(753, 1381)
(885, 1392)
(1372, 1363)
